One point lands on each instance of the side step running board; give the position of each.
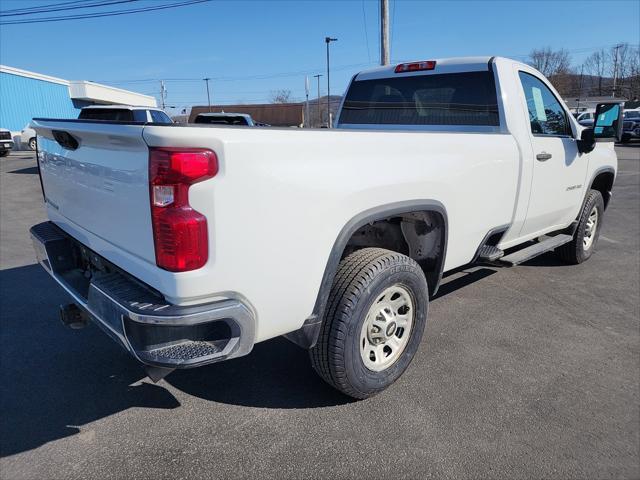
(536, 249)
(489, 253)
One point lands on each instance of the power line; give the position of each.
(111, 13)
(43, 6)
(366, 35)
(74, 7)
(235, 79)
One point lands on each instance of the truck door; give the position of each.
(558, 170)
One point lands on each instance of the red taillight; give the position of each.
(415, 66)
(179, 232)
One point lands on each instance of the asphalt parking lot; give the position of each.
(532, 371)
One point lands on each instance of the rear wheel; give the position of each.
(586, 236)
(373, 324)
(32, 144)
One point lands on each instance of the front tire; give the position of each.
(4, 153)
(373, 322)
(587, 233)
(32, 144)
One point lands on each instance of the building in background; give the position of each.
(25, 95)
(578, 105)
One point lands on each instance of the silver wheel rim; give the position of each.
(387, 328)
(590, 229)
(32, 144)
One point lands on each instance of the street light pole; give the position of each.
(319, 114)
(328, 40)
(208, 97)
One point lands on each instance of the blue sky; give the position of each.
(236, 42)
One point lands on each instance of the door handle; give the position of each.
(543, 156)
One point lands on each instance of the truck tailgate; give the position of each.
(100, 187)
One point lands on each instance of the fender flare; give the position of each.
(597, 172)
(307, 335)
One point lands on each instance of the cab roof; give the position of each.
(121, 107)
(443, 65)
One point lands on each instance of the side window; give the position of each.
(140, 116)
(159, 117)
(546, 115)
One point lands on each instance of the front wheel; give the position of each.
(373, 323)
(4, 153)
(587, 233)
(32, 144)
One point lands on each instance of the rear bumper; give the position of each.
(138, 318)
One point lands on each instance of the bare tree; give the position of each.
(633, 78)
(556, 66)
(281, 96)
(550, 62)
(597, 64)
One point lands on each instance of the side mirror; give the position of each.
(587, 142)
(607, 122)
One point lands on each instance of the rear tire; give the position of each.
(586, 236)
(373, 322)
(32, 144)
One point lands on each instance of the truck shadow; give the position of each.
(450, 284)
(276, 374)
(26, 171)
(54, 380)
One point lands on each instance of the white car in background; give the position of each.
(586, 118)
(124, 113)
(28, 138)
(236, 119)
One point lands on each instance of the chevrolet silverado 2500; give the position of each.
(190, 244)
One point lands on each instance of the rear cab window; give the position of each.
(454, 99)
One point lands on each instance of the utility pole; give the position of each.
(306, 105)
(319, 112)
(615, 69)
(163, 93)
(384, 32)
(208, 97)
(328, 40)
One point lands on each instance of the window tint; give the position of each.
(113, 114)
(159, 117)
(220, 120)
(140, 116)
(546, 115)
(446, 99)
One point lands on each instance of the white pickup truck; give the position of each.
(190, 244)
